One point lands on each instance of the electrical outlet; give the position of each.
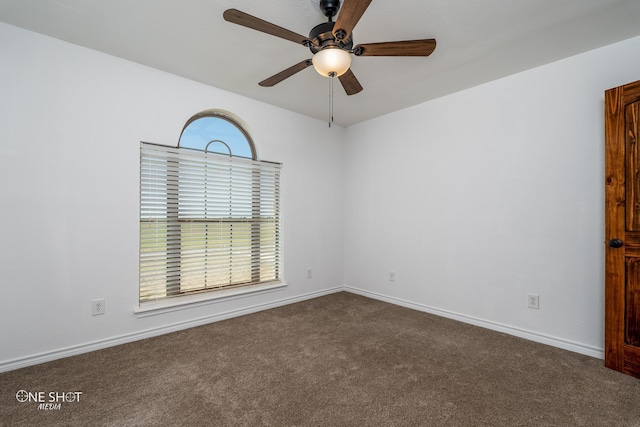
(533, 301)
(392, 276)
(309, 273)
(97, 307)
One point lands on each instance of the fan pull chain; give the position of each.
(332, 77)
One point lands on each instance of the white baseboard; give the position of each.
(174, 327)
(50, 356)
(511, 330)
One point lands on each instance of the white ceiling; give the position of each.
(478, 41)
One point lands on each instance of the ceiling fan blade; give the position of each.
(277, 78)
(349, 82)
(402, 48)
(237, 17)
(350, 13)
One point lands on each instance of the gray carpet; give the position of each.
(339, 360)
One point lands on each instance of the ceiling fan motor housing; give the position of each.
(321, 36)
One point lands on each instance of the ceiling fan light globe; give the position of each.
(331, 62)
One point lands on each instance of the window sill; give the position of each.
(185, 302)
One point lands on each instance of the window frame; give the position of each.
(188, 298)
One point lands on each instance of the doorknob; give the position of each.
(615, 243)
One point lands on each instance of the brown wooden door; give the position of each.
(622, 229)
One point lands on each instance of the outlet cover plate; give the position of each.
(97, 307)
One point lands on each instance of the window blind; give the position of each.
(207, 222)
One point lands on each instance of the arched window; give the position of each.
(209, 212)
(217, 132)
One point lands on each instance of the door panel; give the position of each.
(632, 302)
(632, 162)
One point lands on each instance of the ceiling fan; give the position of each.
(332, 43)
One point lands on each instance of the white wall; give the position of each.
(474, 200)
(481, 197)
(70, 124)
